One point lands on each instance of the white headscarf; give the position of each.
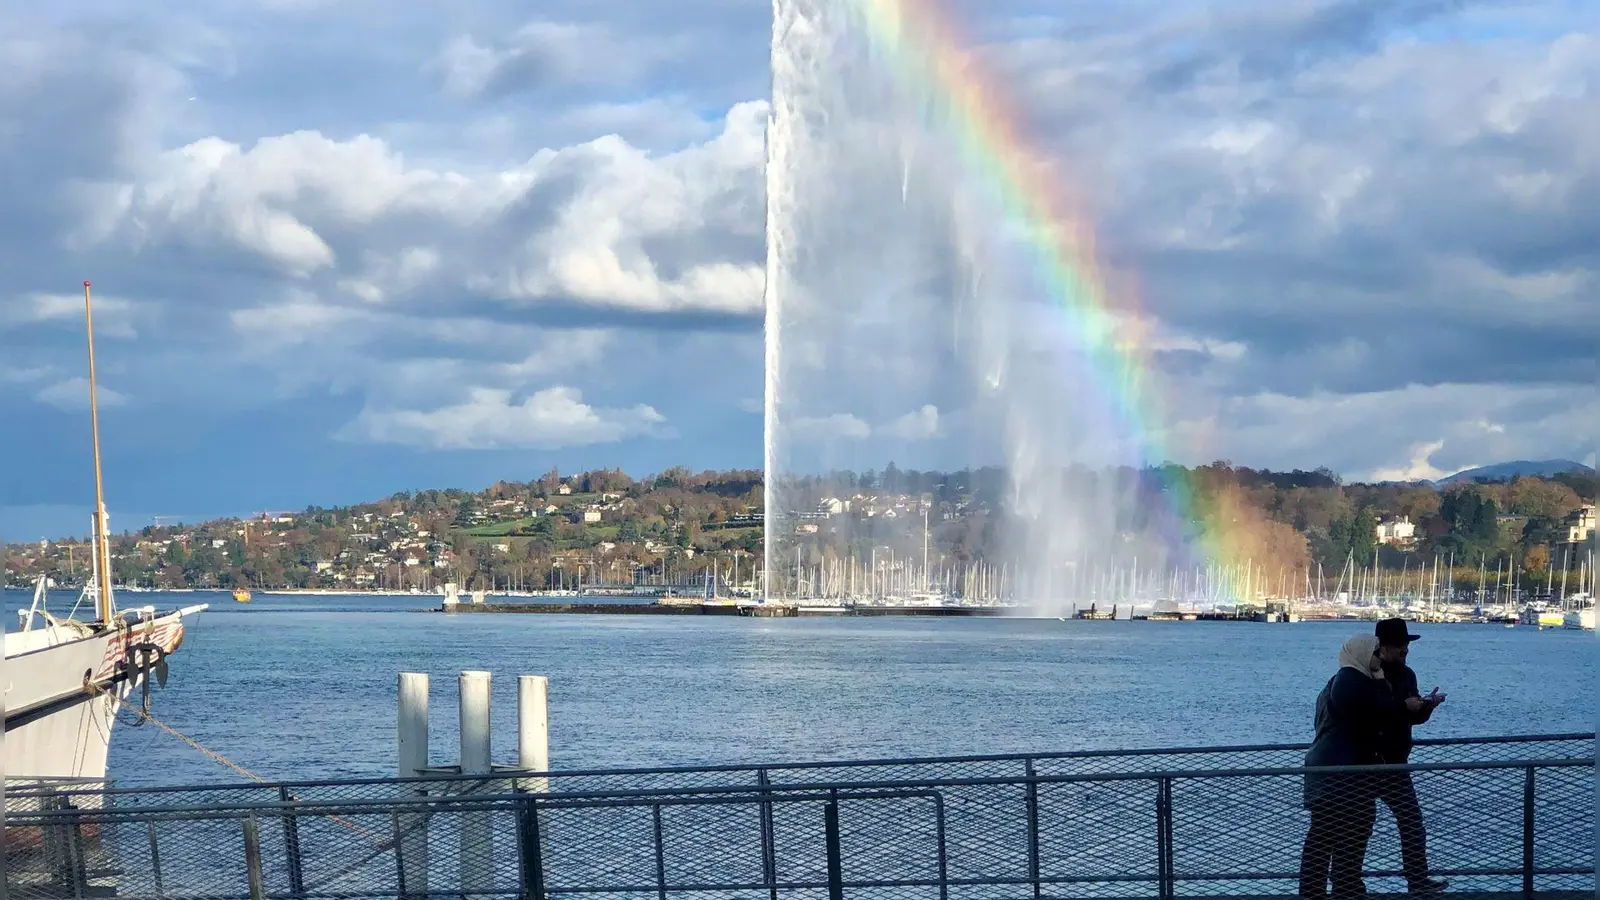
(1360, 653)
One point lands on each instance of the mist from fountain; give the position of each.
(910, 319)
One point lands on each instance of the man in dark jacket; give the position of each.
(1395, 788)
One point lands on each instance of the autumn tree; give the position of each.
(1536, 561)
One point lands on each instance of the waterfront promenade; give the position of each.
(1508, 817)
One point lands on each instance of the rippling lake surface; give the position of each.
(304, 686)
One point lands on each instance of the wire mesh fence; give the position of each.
(1087, 762)
(953, 831)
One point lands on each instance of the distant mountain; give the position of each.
(1507, 471)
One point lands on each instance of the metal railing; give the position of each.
(1576, 745)
(1504, 825)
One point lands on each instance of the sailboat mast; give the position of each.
(102, 539)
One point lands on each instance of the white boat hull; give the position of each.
(1580, 619)
(64, 686)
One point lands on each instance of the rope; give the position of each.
(381, 846)
(212, 754)
(218, 757)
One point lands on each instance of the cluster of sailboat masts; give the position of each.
(1432, 583)
(883, 576)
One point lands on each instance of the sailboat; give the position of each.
(66, 677)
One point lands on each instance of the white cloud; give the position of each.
(548, 55)
(1419, 468)
(26, 374)
(573, 225)
(822, 429)
(915, 426)
(113, 316)
(492, 419)
(1391, 433)
(1348, 240)
(73, 395)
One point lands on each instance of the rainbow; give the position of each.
(922, 44)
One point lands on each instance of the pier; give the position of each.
(1508, 818)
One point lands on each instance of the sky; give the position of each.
(342, 248)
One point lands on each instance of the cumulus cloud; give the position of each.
(916, 426)
(548, 55)
(1377, 431)
(600, 224)
(1340, 239)
(72, 395)
(113, 316)
(492, 419)
(1419, 468)
(826, 429)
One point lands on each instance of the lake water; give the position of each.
(304, 687)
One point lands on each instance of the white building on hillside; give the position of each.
(1400, 532)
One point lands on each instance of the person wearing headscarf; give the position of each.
(1353, 712)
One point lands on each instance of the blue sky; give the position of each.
(343, 248)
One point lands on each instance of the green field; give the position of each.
(501, 529)
(584, 537)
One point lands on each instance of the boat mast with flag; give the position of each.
(67, 677)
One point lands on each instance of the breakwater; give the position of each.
(753, 610)
(592, 609)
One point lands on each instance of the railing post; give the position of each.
(531, 850)
(252, 858)
(1527, 833)
(155, 859)
(830, 829)
(1033, 827)
(1164, 864)
(769, 839)
(291, 843)
(661, 852)
(63, 847)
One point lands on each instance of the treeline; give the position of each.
(1297, 523)
(542, 531)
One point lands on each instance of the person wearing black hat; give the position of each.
(1395, 788)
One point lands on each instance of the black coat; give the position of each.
(1396, 743)
(1353, 713)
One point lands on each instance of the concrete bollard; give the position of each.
(533, 730)
(476, 856)
(413, 724)
(477, 838)
(412, 737)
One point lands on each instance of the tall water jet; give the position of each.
(924, 308)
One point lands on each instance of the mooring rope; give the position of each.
(147, 716)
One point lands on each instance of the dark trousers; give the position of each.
(1336, 843)
(1397, 793)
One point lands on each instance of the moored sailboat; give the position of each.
(66, 677)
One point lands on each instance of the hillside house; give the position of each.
(1401, 532)
(1580, 525)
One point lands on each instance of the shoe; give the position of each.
(1430, 886)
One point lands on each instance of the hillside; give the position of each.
(606, 526)
(1507, 471)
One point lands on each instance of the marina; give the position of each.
(1578, 616)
